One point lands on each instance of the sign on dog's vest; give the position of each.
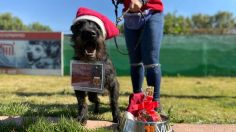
(87, 76)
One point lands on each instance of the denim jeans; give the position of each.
(144, 47)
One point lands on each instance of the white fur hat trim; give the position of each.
(92, 18)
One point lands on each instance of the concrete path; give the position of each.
(176, 127)
(204, 127)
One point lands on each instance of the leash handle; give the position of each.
(119, 19)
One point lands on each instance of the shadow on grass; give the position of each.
(196, 96)
(46, 124)
(32, 112)
(56, 110)
(106, 108)
(18, 124)
(27, 94)
(126, 94)
(41, 94)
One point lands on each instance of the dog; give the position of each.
(53, 54)
(43, 55)
(34, 53)
(89, 46)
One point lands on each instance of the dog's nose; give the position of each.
(88, 34)
(30, 56)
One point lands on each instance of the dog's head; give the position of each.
(53, 49)
(35, 51)
(88, 40)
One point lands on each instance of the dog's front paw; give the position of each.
(96, 108)
(82, 120)
(116, 119)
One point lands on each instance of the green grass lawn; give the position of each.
(186, 99)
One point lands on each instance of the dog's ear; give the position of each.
(76, 26)
(73, 29)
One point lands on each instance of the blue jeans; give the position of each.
(144, 47)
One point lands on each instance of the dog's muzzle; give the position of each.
(30, 56)
(87, 35)
(91, 54)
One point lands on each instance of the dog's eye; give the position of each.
(38, 49)
(77, 27)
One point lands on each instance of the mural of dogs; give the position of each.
(89, 45)
(43, 54)
(35, 52)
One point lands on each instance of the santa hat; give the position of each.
(109, 30)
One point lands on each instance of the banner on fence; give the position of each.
(38, 53)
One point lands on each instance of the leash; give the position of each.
(119, 19)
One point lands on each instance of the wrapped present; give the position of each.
(141, 116)
(131, 124)
(142, 106)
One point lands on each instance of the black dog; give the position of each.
(89, 46)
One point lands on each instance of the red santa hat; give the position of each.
(109, 29)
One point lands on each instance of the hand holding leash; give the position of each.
(135, 5)
(119, 19)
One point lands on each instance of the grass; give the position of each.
(186, 99)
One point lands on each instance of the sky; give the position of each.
(59, 14)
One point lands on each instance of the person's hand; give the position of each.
(135, 5)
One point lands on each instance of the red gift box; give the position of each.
(142, 107)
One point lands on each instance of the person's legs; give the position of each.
(134, 49)
(151, 42)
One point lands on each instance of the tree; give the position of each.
(224, 21)
(200, 21)
(12, 23)
(220, 23)
(176, 24)
(36, 26)
(8, 22)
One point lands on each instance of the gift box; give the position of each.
(142, 107)
(131, 124)
(140, 115)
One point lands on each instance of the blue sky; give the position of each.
(58, 14)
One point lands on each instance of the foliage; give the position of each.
(121, 28)
(42, 124)
(188, 100)
(176, 24)
(9, 22)
(36, 26)
(220, 23)
(12, 23)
